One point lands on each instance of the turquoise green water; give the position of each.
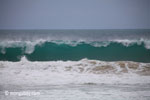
(52, 51)
(47, 45)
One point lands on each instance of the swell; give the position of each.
(73, 50)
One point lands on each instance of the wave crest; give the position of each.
(29, 46)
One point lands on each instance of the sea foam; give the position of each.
(73, 72)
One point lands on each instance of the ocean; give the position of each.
(83, 64)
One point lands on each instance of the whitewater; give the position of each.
(84, 79)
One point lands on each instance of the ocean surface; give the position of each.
(80, 64)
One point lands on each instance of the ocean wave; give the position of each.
(41, 50)
(30, 45)
(75, 72)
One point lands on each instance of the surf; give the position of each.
(75, 50)
(84, 71)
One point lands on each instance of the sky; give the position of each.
(74, 14)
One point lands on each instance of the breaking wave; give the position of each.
(116, 50)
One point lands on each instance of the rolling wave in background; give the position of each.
(53, 45)
(76, 50)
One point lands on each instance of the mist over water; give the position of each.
(75, 35)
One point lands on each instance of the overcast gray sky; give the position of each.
(74, 14)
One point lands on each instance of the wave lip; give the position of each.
(32, 44)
